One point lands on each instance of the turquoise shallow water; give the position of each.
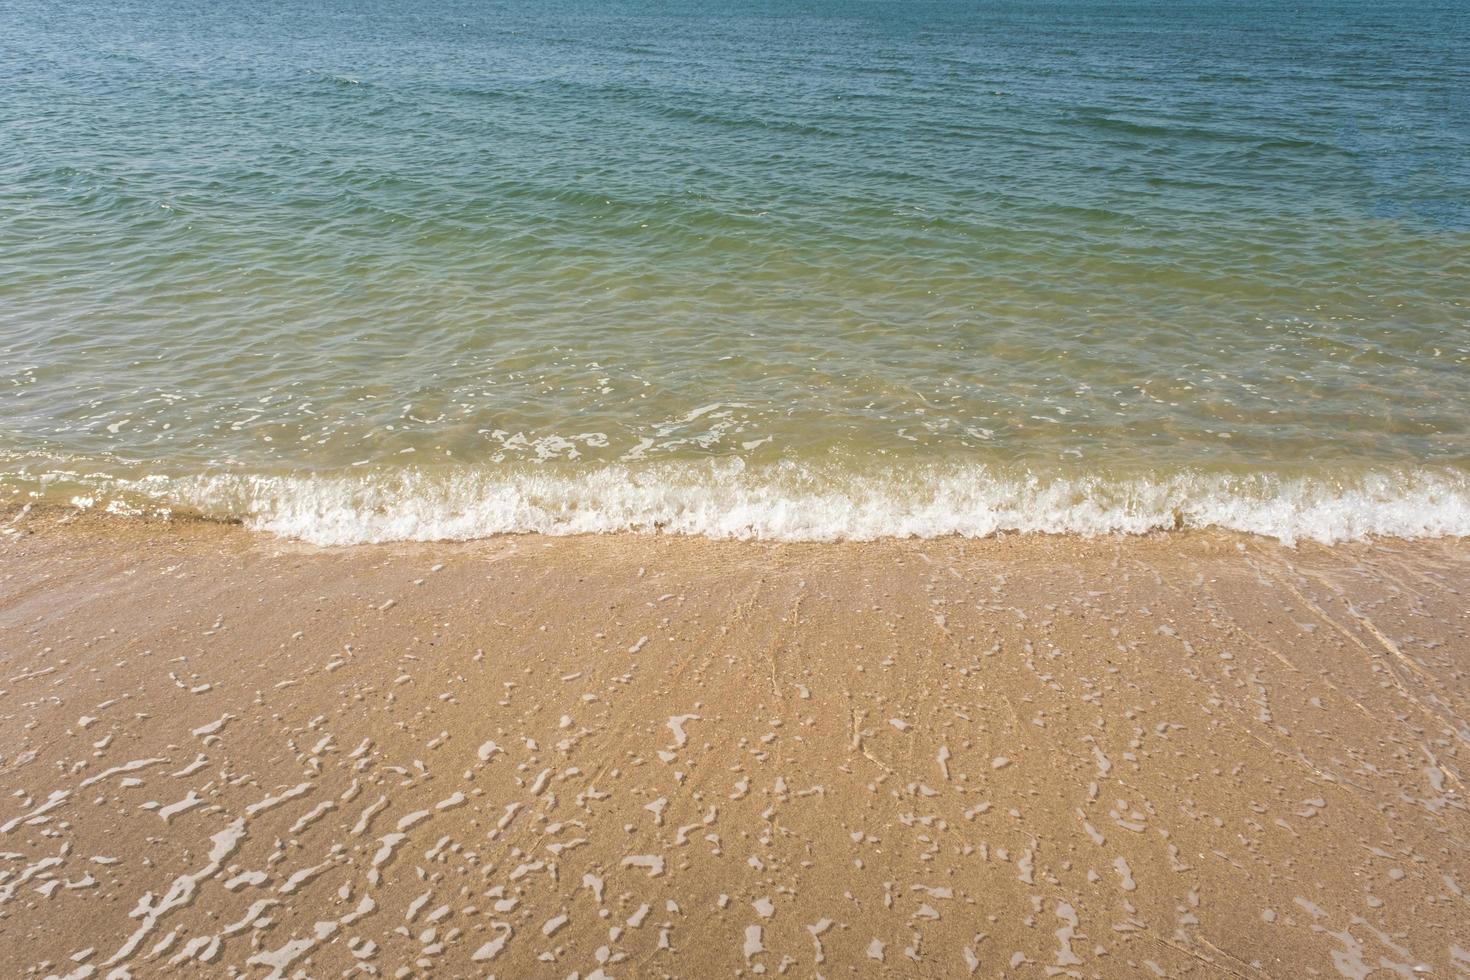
(802, 270)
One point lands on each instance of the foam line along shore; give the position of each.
(786, 502)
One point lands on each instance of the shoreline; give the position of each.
(1195, 753)
(728, 499)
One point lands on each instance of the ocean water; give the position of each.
(800, 269)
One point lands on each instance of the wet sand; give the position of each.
(1186, 755)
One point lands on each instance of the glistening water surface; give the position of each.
(357, 271)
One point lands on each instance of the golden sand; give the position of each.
(1189, 755)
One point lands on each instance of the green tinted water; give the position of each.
(811, 270)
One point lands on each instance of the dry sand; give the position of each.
(1188, 755)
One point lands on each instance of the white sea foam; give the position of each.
(793, 502)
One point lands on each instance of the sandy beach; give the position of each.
(635, 756)
(583, 490)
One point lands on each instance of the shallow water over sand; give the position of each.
(311, 266)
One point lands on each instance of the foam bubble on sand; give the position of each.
(812, 502)
(753, 943)
(652, 862)
(676, 725)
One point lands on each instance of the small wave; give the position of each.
(804, 502)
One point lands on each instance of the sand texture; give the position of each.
(1187, 755)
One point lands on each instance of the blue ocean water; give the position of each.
(355, 271)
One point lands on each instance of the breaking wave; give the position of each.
(802, 502)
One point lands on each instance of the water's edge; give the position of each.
(726, 500)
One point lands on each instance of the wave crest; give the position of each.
(792, 502)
